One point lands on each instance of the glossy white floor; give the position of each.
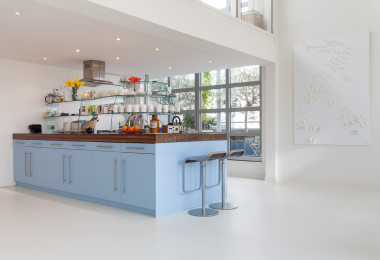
(272, 222)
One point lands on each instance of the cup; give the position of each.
(128, 108)
(136, 108)
(66, 127)
(143, 108)
(121, 108)
(171, 109)
(150, 108)
(158, 108)
(105, 109)
(165, 108)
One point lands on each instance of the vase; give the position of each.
(74, 94)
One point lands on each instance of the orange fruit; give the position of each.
(130, 128)
(125, 128)
(137, 127)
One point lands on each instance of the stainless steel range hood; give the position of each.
(94, 73)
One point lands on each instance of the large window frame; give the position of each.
(228, 110)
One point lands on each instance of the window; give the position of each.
(227, 101)
(256, 12)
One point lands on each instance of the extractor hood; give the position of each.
(94, 73)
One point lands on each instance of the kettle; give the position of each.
(49, 98)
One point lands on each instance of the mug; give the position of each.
(142, 108)
(165, 108)
(158, 108)
(105, 109)
(136, 108)
(128, 108)
(150, 108)
(171, 109)
(121, 108)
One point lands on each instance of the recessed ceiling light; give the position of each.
(117, 39)
(118, 58)
(17, 13)
(77, 50)
(44, 58)
(210, 61)
(169, 68)
(157, 49)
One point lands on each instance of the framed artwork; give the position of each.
(331, 90)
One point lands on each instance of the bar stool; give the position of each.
(203, 211)
(226, 205)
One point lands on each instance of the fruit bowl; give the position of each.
(131, 131)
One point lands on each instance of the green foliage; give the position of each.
(188, 121)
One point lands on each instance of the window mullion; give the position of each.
(198, 117)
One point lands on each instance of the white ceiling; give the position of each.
(54, 32)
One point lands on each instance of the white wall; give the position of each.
(305, 20)
(23, 87)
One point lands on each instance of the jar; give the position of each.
(154, 124)
(146, 129)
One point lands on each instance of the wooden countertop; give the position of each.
(124, 138)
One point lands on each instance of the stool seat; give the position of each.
(226, 205)
(203, 212)
(208, 157)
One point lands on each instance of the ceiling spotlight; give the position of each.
(210, 61)
(157, 49)
(44, 58)
(169, 68)
(17, 13)
(77, 50)
(118, 58)
(117, 39)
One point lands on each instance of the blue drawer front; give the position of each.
(138, 148)
(110, 147)
(80, 145)
(57, 144)
(38, 143)
(21, 142)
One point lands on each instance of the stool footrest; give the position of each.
(199, 213)
(226, 206)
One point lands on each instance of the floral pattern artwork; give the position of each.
(331, 90)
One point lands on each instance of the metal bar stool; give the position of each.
(203, 212)
(226, 205)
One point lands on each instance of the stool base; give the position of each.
(208, 212)
(227, 206)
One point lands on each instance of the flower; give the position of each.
(74, 84)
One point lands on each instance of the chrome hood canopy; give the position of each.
(94, 73)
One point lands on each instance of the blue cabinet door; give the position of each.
(138, 180)
(37, 166)
(78, 171)
(20, 164)
(56, 169)
(106, 175)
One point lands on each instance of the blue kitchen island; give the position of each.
(141, 173)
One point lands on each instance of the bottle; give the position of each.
(154, 124)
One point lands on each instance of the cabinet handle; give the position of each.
(123, 176)
(138, 148)
(102, 146)
(20, 142)
(30, 164)
(55, 144)
(69, 169)
(63, 168)
(37, 143)
(25, 162)
(78, 145)
(114, 175)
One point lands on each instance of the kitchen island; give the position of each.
(141, 172)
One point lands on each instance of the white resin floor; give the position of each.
(273, 222)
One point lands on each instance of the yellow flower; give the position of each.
(68, 82)
(72, 84)
(76, 79)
